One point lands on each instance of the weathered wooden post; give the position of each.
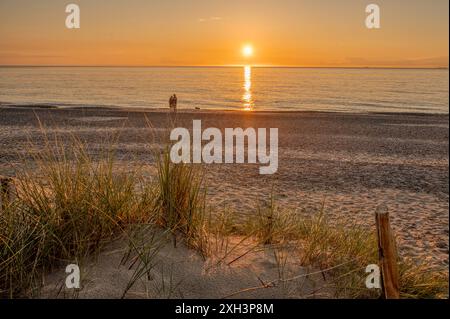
(6, 191)
(387, 253)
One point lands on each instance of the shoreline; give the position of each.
(55, 106)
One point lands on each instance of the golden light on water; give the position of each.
(247, 97)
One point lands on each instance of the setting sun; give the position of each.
(247, 51)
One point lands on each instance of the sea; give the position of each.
(248, 88)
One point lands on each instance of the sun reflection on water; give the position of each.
(247, 98)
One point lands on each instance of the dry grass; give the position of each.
(420, 281)
(341, 251)
(181, 201)
(69, 205)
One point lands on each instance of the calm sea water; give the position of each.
(283, 89)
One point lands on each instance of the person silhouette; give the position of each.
(175, 101)
(171, 102)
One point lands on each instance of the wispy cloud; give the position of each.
(9, 54)
(441, 61)
(201, 20)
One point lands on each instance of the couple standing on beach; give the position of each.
(173, 102)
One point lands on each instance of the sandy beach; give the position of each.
(351, 163)
(213, 152)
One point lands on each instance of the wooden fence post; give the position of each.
(387, 253)
(6, 191)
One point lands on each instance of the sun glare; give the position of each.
(247, 51)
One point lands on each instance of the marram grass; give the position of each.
(68, 206)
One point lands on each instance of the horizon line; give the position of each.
(223, 66)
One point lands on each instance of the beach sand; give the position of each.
(351, 163)
(181, 273)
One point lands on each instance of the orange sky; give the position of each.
(414, 33)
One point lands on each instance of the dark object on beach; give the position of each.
(173, 102)
(6, 191)
(387, 252)
(197, 108)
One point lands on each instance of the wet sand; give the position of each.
(350, 162)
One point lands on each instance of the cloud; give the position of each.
(9, 54)
(201, 20)
(441, 61)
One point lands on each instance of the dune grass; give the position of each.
(180, 204)
(421, 281)
(342, 251)
(68, 205)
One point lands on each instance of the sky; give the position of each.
(322, 33)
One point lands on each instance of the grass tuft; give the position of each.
(67, 207)
(342, 251)
(181, 201)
